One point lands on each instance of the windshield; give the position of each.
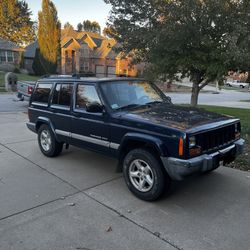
(125, 94)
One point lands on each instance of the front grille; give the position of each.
(216, 138)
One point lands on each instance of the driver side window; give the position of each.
(86, 94)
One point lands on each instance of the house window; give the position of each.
(84, 51)
(3, 56)
(10, 56)
(84, 67)
(6, 56)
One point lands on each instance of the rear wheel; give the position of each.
(144, 175)
(47, 142)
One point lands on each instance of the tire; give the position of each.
(47, 142)
(153, 176)
(242, 86)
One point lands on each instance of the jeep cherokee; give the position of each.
(131, 119)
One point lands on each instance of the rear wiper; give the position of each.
(128, 106)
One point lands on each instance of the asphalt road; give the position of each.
(78, 201)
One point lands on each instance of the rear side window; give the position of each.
(86, 94)
(62, 94)
(42, 92)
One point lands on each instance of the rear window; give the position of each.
(62, 94)
(42, 92)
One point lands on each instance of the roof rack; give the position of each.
(76, 75)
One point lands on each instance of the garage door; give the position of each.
(111, 71)
(100, 71)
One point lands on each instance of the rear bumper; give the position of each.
(178, 169)
(31, 126)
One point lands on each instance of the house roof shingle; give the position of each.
(30, 50)
(8, 45)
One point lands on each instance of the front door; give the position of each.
(89, 130)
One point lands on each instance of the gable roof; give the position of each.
(8, 45)
(105, 49)
(30, 50)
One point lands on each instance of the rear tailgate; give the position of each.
(25, 87)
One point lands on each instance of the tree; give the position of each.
(108, 32)
(49, 36)
(67, 25)
(15, 22)
(68, 29)
(79, 27)
(91, 26)
(197, 39)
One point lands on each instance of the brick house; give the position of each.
(86, 52)
(10, 55)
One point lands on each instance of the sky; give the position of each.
(75, 11)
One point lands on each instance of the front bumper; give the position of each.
(178, 169)
(31, 126)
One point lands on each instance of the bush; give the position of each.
(37, 65)
(16, 70)
(7, 67)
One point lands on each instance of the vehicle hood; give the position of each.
(177, 117)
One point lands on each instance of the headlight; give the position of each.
(192, 141)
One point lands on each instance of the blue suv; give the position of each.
(131, 119)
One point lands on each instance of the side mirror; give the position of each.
(169, 99)
(94, 107)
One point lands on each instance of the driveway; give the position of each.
(10, 103)
(78, 201)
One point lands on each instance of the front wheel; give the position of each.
(48, 143)
(144, 175)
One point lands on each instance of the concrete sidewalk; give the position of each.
(78, 201)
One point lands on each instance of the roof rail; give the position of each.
(76, 75)
(56, 76)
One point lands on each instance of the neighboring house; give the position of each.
(10, 55)
(29, 55)
(86, 52)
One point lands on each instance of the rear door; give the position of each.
(89, 129)
(60, 108)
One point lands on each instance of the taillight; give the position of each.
(30, 90)
(181, 147)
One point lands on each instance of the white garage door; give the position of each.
(99, 70)
(111, 71)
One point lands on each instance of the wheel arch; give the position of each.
(44, 120)
(136, 140)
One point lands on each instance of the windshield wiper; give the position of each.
(133, 105)
(154, 102)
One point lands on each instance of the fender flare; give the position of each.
(44, 120)
(139, 137)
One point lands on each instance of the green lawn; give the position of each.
(243, 161)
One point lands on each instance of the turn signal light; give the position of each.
(194, 151)
(237, 135)
(181, 147)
